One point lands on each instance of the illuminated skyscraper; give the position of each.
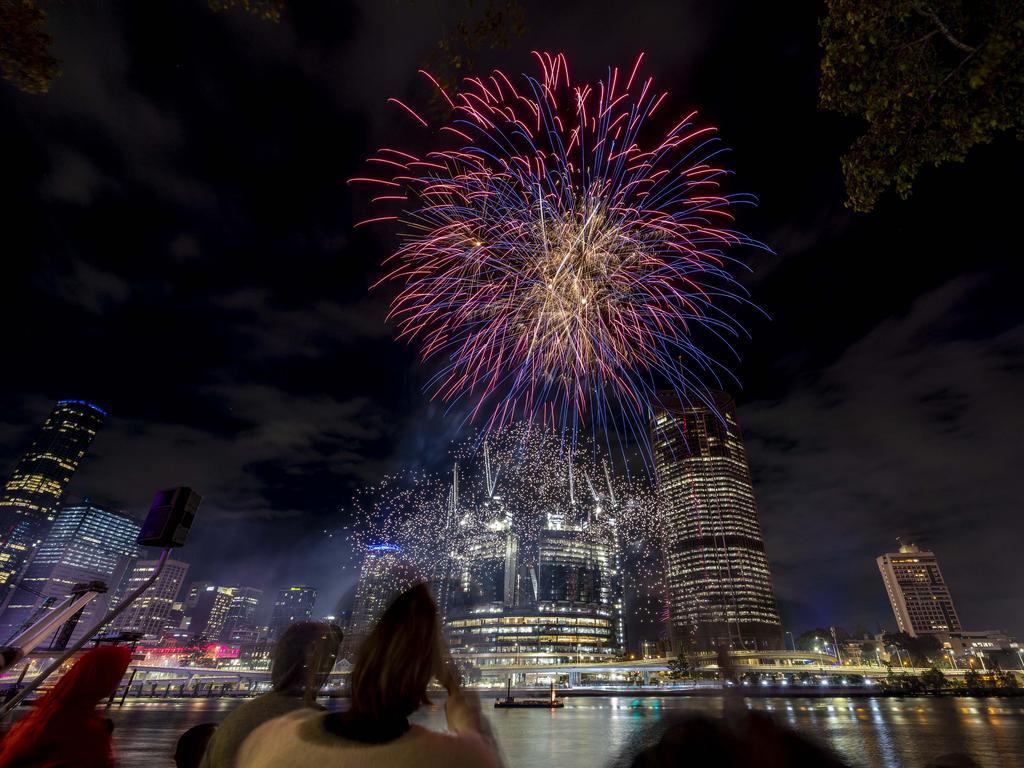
(917, 592)
(29, 502)
(538, 596)
(195, 590)
(241, 618)
(207, 610)
(381, 577)
(292, 604)
(718, 585)
(87, 542)
(152, 613)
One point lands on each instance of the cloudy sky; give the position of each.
(178, 247)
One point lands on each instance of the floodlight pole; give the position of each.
(26, 641)
(20, 696)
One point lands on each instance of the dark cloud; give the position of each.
(912, 432)
(87, 287)
(306, 330)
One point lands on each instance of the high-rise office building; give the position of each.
(207, 611)
(292, 604)
(152, 613)
(240, 622)
(547, 595)
(87, 542)
(381, 577)
(917, 592)
(195, 590)
(717, 580)
(32, 495)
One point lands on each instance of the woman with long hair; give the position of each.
(389, 682)
(303, 658)
(65, 730)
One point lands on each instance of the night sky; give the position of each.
(178, 247)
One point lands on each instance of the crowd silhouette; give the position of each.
(393, 672)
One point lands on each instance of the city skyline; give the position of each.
(690, 435)
(245, 356)
(87, 542)
(37, 484)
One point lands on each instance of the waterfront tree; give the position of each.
(972, 680)
(868, 652)
(930, 80)
(933, 679)
(1007, 680)
(680, 667)
(920, 650)
(814, 640)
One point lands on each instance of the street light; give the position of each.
(899, 656)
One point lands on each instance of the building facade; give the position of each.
(152, 613)
(240, 622)
(292, 604)
(196, 590)
(87, 542)
(206, 612)
(917, 592)
(717, 581)
(32, 495)
(382, 576)
(537, 596)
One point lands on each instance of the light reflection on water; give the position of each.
(591, 732)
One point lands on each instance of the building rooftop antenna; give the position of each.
(455, 486)
(608, 478)
(490, 479)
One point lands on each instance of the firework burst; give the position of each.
(562, 256)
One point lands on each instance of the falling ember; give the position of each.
(518, 477)
(561, 259)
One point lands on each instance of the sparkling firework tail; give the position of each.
(525, 473)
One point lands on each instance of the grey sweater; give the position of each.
(223, 747)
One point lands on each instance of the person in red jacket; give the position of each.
(65, 730)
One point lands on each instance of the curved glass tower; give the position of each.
(719, 589)
(538, 596)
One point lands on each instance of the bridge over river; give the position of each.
(148, 678)
(165, 679)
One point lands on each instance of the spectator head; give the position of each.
(191, 746)
(749, 739)
(397, 659)
(304, 657)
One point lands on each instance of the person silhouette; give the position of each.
(393, 668)
(65, 729)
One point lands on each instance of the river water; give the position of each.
(590, 732)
